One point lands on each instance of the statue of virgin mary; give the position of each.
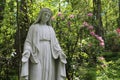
(42, 58)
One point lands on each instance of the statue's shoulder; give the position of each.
(51, 27)
(33, 27)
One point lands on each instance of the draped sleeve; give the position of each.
(27, 47)
(31, 43)
(57, 51)
(60, 57)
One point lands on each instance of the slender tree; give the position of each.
(119, 15)
(22, 26)
(2, 7)
(2, 59)
(97, 17)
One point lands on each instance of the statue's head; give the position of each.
(41, 16)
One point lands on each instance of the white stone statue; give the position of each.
(42, 58)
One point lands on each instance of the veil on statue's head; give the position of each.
(40, 16)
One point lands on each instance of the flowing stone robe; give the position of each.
(47, 60)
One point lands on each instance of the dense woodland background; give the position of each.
(88, 32)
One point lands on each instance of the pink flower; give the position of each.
(71, 16)
(90, 27)
(92, 33)
(100, 39)
(59, 13)
(118, 30)
(96, 35)
(90, 14)
(102, 44)
(85, 23)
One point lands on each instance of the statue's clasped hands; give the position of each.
(25, 56)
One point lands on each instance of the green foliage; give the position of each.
(108, 68)
(112, 41)
(67, 29)
(7, 31)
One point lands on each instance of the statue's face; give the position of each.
(45, 17)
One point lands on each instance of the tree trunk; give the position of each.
(2, 7)
(22, 27)
(97, 17)
(119, 15)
